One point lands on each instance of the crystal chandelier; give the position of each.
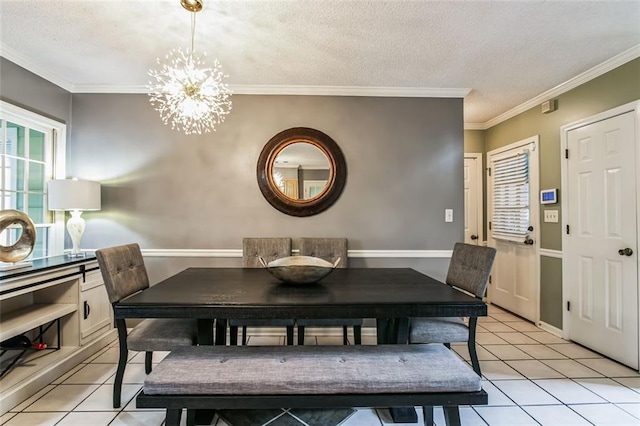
(189, 95)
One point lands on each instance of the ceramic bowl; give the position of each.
(299, 269)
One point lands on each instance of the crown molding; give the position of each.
(32, 66)
(597, 71)
(474, 126)
(242, 89)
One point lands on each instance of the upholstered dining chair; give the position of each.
(268, 249)
(329, 249)
(124, 274)
(469, 271)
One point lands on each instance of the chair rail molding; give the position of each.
(231, 253)
(557, 254)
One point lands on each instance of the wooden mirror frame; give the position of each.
(335, 183)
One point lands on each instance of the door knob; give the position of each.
(528, 241)
(474, 237)
(625, 252)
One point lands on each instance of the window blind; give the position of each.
(510, 219)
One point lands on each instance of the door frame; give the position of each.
(480, 185)
(534, 179)
(564, 186)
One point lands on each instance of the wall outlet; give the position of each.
(551, 216)
(448, 215)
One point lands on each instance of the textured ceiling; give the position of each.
(506, 52)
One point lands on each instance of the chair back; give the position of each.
(329, 249)
(267, 248)
(470, 268)
(123, 271)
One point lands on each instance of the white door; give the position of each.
(513, 233)
(472, 198)
(601, 274)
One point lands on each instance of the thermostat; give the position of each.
(549, 196)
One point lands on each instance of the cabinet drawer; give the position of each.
(91, 279)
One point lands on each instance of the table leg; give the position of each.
(221, 332)
(396, 331)
(205, 338)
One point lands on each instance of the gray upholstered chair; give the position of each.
(469, 271)
(124, 274)
(329, 249)
(269, 249)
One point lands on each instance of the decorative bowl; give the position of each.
(299, 269)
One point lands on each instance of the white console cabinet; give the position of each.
(60, 287)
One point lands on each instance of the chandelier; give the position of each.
(189, 95)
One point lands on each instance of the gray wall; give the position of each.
(166, 190)
(26, 90)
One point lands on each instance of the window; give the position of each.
(510, 219)
(29, 147)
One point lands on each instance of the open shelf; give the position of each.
(27, 318)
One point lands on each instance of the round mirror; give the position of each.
(301, 171)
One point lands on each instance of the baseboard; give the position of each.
(551, 329)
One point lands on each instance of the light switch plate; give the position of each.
(551, 216)
(448, 215)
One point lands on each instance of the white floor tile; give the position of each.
(523, 326)
(540, 351)
(62, 398)
(534, 369)
(570, 368)
(102, 398)
(505, 416)
(91, 374)
(369, 340)
(609, 368)
(469, 417)
(633, 409)
(568, 391)
(498, 370)
(484, 320)
(68, 374)
(489, 339)
(630, 382)
(524, 392)
(329, 340)
(496, 326)
(516, 338)
(506, 352)
(133, 374)
(265, 341)
(96, 418)
(605, 414)
(496, 396)
(33, 398)
(363, 417)
(610, 390)
(483, 354)
(555, 415)
(139, 418)
(6, 417)
(33, 419)
(111, 355)
(544, 337)
(574, 351)
(505, 317)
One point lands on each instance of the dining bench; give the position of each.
(261, 377)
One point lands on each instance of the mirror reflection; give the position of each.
(301, 171)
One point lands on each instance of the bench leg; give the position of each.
(173, 417)
(289, 335)
(191, 417)
(148, 360)
(233, 335)
(345, 335)
(452, 415)
(357, 334)
(427, 411)
(244, 335)
(300, 335)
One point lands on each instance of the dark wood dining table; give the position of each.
(213, 295)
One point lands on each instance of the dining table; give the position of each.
(214, 295)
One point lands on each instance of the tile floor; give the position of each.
(532, 378)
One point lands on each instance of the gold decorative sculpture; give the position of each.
(24, 246)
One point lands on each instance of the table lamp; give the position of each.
(75, 196)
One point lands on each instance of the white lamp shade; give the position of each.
(72, 194)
